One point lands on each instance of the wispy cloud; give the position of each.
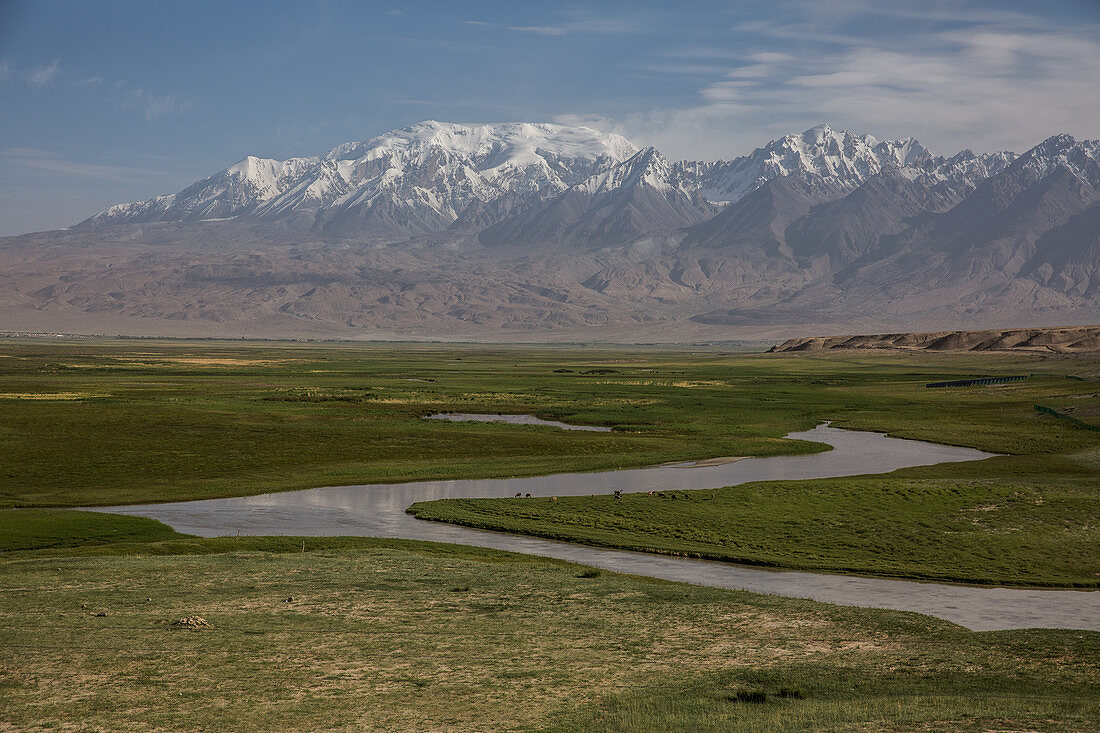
(36, 76)
(986, 80)
(603, 25)
(542, 30)
(704, 52)
(150, 105)
(43, 160)
(578, 23)
(686, 69)
(153, 106)
(42, 75)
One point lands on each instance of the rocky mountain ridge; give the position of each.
(425, 178)
(549, 232)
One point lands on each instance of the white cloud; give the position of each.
(703, 52)
(38, 76)
(150, 105)
(153, 106)
(982, 80)
(42, 75)
(688, 69)
(579, 23)
(603, 25)
(43, 160)
(542, 30)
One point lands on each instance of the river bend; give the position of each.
(378, 510)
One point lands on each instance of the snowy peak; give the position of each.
(821, 151)
(828, 162)
(237, 190)
(434, 176)
(905, 152)
(635, 199)
(647, 167)
(1082, 159)
(416, 179)
(263, 178)
(490, 145)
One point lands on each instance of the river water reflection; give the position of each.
(378, 510)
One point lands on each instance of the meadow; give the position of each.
(134, 421)
(362, 634)
(359, 633)
(97, 423)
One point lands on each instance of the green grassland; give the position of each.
(1024, 518)
(98, 423)
(62, 529)
(980, 531)
(361, 634)
(355, 634)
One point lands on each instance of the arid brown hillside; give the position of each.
(1056, 340)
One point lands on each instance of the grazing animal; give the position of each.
(518, 494)
(553, 498)
(527, 495)
(619, 494)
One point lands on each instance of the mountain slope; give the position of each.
(435, 176)
(485, 230)
(829, 164)
(993, 235)
(414, 180)
(634, 199)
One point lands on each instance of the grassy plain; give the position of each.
(96, 423)
(85, 423)
(360, 634)
(1024, 518)
(353, 634)
(1039, 532)
(40, 529)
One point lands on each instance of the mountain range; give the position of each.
(556, 232)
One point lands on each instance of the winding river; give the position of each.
(378, 510)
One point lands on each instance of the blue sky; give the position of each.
(103, 102)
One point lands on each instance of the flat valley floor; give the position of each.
(112, 622)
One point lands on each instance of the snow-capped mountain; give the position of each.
(829, 164)
(435, 176)
(516, 227)
(636, 198)
(416, 179)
